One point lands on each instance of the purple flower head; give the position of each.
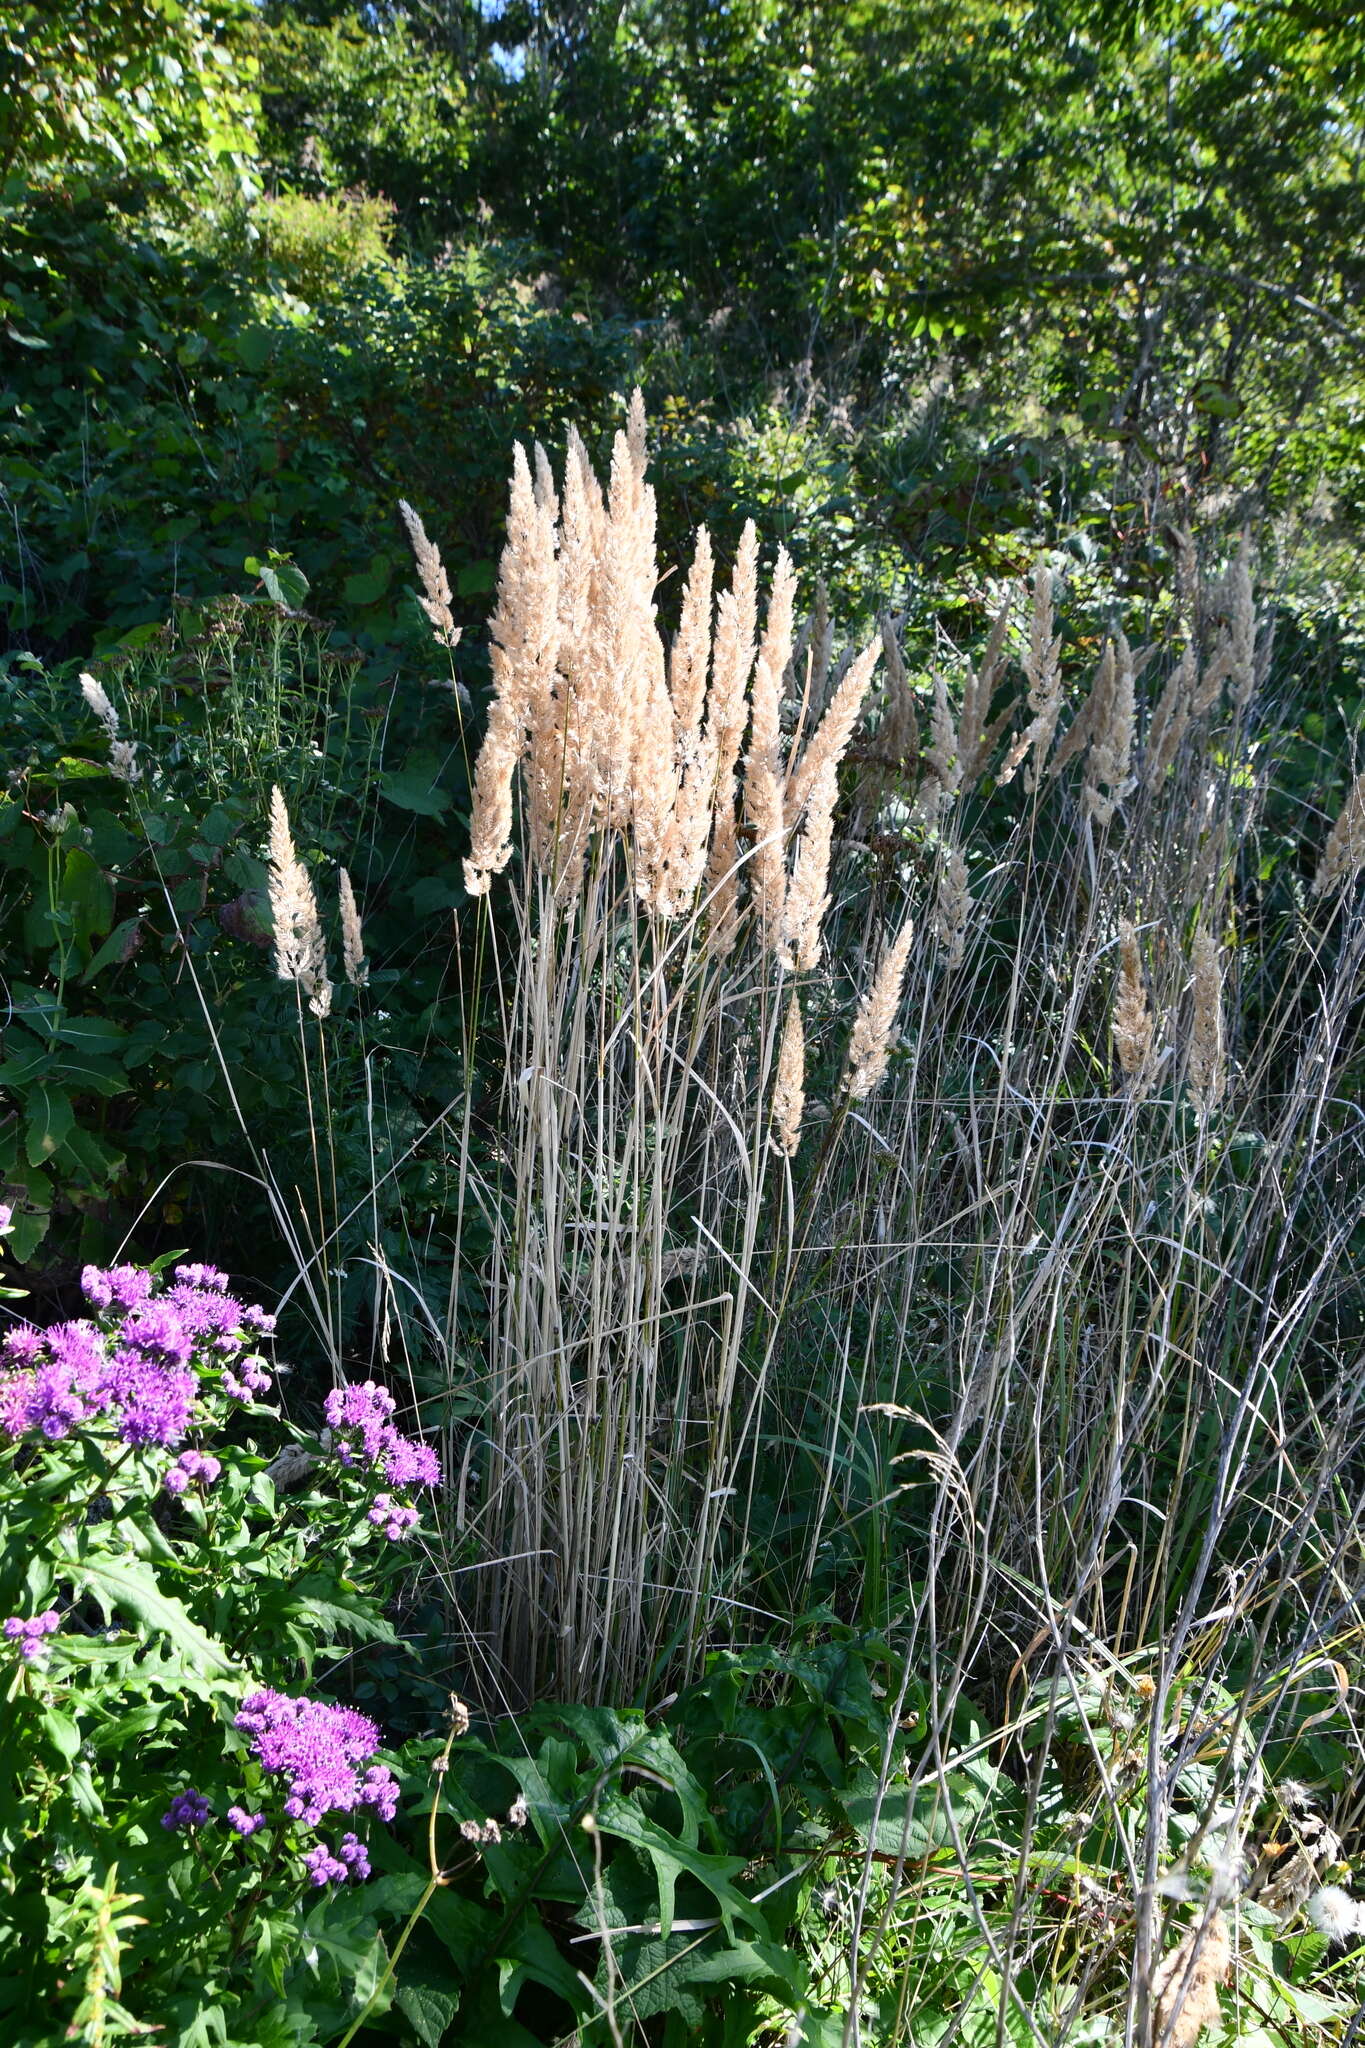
(258, 1321)
(245, 1823)
(192, 1465)
(116, 1287)
(187, 1810)
(155, 1402)
(395, 1519)
(23, 1345)
(380, 1790)
(362, 1409)
(62, 1381)
(352, 1860)
(30, 1635)
(316, 1749)
(6, 1218)
(203, 1276)
(157, 1332)
(323, 1867)
(361, 1415)
(408, 1463)
(250, 1375)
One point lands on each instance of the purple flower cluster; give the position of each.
(137, 1370)
(191, 1466)
(393, 1517)
(318, 1750)
(351, 1861)
(187, 1810)
(31, 1635)
(245, 1823)
(361, 1415)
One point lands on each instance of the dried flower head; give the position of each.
(435, 601)
(789, 1089)
(1185, 1983)
(1344, 854)
(869, 1046)
(1132, 1020)
(1206, 1064)
(352, 938)
(952, 909)
(300, 952)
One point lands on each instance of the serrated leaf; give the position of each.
(131, 1586)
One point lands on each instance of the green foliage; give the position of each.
(144, 92)
(146, 1025)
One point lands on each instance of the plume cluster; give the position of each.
(611, 735)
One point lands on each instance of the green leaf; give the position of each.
(132, 1586)
(49, 1118)
(429, 2003)
(413, 787)
(369, 585)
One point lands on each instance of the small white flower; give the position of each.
(1336, 1914)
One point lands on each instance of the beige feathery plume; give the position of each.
(829, 742)
(1185, 1984)
(1132, 1019)
(1241, 627)
(953, 909)
(763, 807)
(789, 1088)
(300, 954)
(352, 938)
(1111, 744)
(123, 762)
(525, 644)
(869, 1045)
(1093, 716)
(807, 895)
(1169, 723)
(690, 653)
(636, 439)
(1043, 670)
(1206, 1068)
(546, 495)
(943, 771)
(727, 715)
(689, 825)
(655, 787)
(722, 884)
(1216, 671)
(975, 737)
(431, 573)
(1344, 854)
(898, 734)
(807, 675)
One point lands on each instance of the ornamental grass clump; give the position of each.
(668, 843)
